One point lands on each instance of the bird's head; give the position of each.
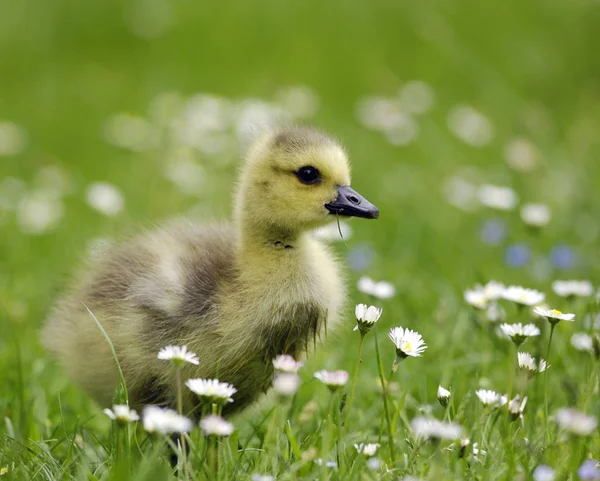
(298, 179)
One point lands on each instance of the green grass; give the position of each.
(530, 67)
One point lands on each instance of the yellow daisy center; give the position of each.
(556, 312)
(407, 346)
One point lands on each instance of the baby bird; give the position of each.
(237, 294)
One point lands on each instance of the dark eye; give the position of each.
(308, 175)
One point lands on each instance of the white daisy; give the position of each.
(519, 332)
(498, 197)
(286, 363)
(576, 422)
(582, 341)
(443, 396)
(366, 317)
(493, 290)
(491, 398)
(213, 425)
(553, 315)
(522, 296)
(381, 290)
(528, 363)
(476, 297)
(407, 342)
(573, 288)
(122, 414)
(178, 355)
(164, 421)
(286, 383)
(516, 407)
(332, 379)
(368, 450)
(429, 428)
(212, 390)
(535, 215)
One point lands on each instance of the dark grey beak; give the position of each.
(350, 203)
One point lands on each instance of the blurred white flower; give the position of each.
(329, 464)
(105, 198)
(331, 232)
(543, 473)
(495, 312)
(187, 175)
(13, 139)
(332, 379)
(429, 428)
(523, 296)
(39, 213)
(212, 390)
(286, 363)
(443, 396)
(460, 193)
(407, 342)
(498, 197)
(573, 288)
(368, 450)
(493, 290)
(582, 341)
(470, 126)
(491, 398)
(535, 215)
(122, 414)
(416, 97)
(381, 290)
(366, 317)
(300, 101)
(255, 116)
(262, 477)
(374, 464)
(516, 407)
(402, 131)
(476, 297)
(130, 132)
(519, 332)
(286, 383)
(521, 155)
(164, 421)
(528, 363)
(553, 315)
(576, 422)
(213, 425)
(178, 355)
(379, 113)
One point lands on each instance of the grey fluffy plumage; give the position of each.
(237, 294)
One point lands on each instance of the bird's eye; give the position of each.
(308, 175)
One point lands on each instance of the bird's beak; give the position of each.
(350, 203)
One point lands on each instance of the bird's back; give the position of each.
(154, 290)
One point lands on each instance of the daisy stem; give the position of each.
(186, 472)
(552, 326)
(384, 388)
(354, 378)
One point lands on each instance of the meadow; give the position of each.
(473, 127)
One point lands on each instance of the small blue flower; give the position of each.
(589, 471)
(493, 231)
(562, 257)
(517, 255)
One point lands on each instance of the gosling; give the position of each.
(237, 294)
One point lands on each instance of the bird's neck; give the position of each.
(268, 239)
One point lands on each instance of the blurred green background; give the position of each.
(527, 72)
